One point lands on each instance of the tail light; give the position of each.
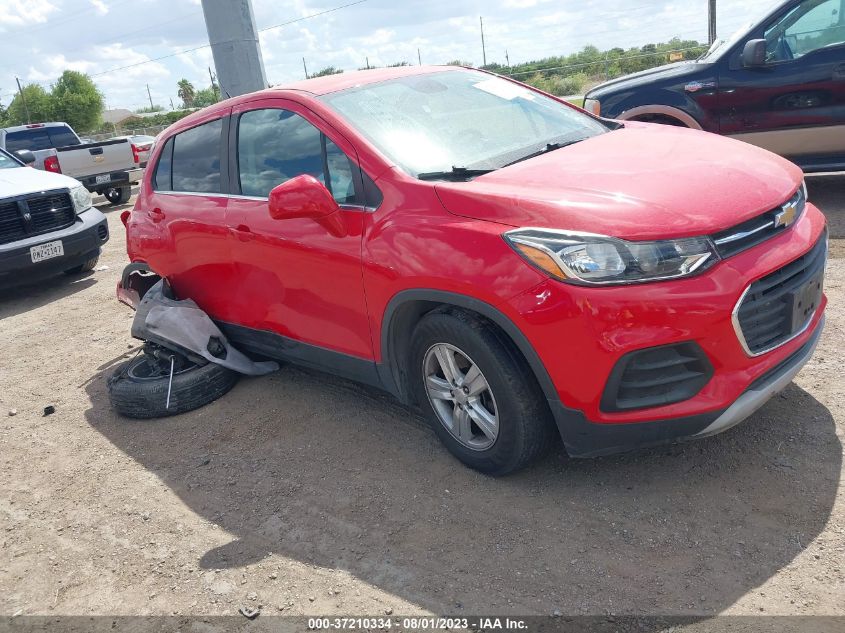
(135, 151)
(51, 163)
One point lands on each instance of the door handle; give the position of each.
(156, 214)
(244, 233)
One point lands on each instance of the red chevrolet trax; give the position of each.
(504, 261)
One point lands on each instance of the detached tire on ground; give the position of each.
(138, 388)
(478, 392)
(118, 195)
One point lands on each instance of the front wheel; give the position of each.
(118, 195)
(478, 392)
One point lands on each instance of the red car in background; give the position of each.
(505, 261)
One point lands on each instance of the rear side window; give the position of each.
(162, 176)
(62, 136)
(34, 140)
(196, 159)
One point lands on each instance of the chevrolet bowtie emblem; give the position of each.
(786, 215)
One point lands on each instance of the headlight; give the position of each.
(81, 199)
(582, 258)
(593, 106)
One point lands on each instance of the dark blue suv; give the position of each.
(778, 82)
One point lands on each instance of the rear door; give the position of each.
(297, 278)
(794, 105)
(188, 241)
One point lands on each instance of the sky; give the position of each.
(119, 42)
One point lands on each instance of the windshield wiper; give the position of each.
(550, 147)
(456, 173)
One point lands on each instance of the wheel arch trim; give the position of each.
(389, 366)
(666, 110)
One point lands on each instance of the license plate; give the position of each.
(806, 299)
(46, 251)
(103, 178)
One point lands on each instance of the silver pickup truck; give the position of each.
(108, 167)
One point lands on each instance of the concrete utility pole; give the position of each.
(711, 21)
(234, 43)
(305, 68)
(483, 48)
(150, 97)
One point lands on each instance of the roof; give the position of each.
(117, 115)
(342, 81)
(317, 86)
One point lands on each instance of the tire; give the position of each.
(523, 426)
(84, 268)
(137, 391)
(118, 195)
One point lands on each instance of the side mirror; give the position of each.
(754, 54)
(301, 197)
(25, 156)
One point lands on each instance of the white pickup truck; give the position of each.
(47, 224)
(108, 167)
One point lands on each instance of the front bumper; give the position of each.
(580, 334)
(583, 438)
(81, 241)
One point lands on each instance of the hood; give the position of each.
(644, 181)
(669, 71)
(19, 181)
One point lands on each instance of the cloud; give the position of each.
(24, 12)
(101, 7)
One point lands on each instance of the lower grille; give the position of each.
(35, 214)
(656, 376)
(779, 306)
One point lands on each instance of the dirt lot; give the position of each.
(307, 494)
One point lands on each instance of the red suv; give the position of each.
(493, 255)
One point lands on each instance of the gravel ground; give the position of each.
(306, 494)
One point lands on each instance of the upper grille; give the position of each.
(656, 376)
(761, 228)
(35, 214)
(779, 306)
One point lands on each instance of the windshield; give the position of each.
(7, 162)
(459, 119)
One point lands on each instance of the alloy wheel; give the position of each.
(461, 396)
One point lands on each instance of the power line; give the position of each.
(196, 48)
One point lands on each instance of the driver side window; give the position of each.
(274, 145)
(812, 25)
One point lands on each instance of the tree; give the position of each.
(186, 93)
(207, 96)
(38, 103)
(328, 70)
(76, 101)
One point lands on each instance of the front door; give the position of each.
(794, 105)
(298, 278)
